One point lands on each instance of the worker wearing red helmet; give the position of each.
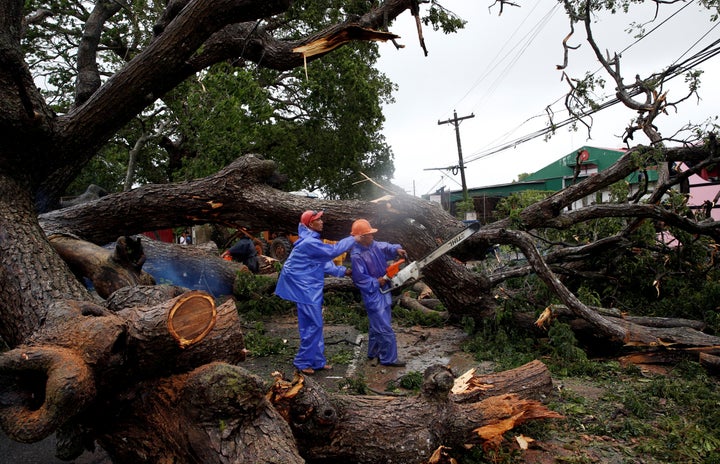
(369, 260)
(301, 281)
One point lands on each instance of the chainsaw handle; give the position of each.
(392, 270)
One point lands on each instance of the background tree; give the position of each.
(328, 111)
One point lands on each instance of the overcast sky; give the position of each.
(502, 70)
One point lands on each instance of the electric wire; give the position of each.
(526, 41)
(689, 64)
(673, 71)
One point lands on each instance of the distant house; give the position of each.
(705, 191)
(571, 168)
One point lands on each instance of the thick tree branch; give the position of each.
(200, 34)
(88, 78)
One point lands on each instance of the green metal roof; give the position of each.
(553, 176)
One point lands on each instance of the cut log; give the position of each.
(148, 295)
(160, 337)
(422, 290)
(415, 305)
(432, 303)
(191, 317)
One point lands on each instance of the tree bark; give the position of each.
(216, 413)
(334, 428)
(531, 381)
(107, 270)
(32, 274)
(111, 351)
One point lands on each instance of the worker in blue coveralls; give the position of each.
(369, 260)
(302, 279)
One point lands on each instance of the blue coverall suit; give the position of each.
(301, 281)
(369, 264)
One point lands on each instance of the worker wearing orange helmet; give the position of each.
(369, 260)
(301, 280)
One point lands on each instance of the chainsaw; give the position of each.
(397, 277)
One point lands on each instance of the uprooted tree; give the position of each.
(151, 371)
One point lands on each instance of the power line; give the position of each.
(672, 72)
(692, 62)
(494, 63)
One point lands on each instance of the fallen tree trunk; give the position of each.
(108, 270)
(416, 305)
(335, 428)
(531, 381)
(197, 267)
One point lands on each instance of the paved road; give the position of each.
(42, 452)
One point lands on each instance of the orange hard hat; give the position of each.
(362, 227)
(309, 216)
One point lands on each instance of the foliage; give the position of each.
(329, 114)
(514, 203)
(491, 342)
(659, 278)
(342, 357)
(331, 117)
(255, 298)
(442, 19)
(109, 168)
(106, 170)
(462, 207)
(672, 413)
(50, 49)
(623, 412)
(345, 308)
(259, 344)
(355, 385)
(409, 381)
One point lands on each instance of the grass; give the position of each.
(613, 413)
(259, 344)
(632, 415)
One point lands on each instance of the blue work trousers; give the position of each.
(312, 344)
(381, 337)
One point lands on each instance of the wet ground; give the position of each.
(42, 452)
(419, 347)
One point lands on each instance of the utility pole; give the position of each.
(456, 122)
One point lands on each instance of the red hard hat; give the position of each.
(362, 227)
(309, 216)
